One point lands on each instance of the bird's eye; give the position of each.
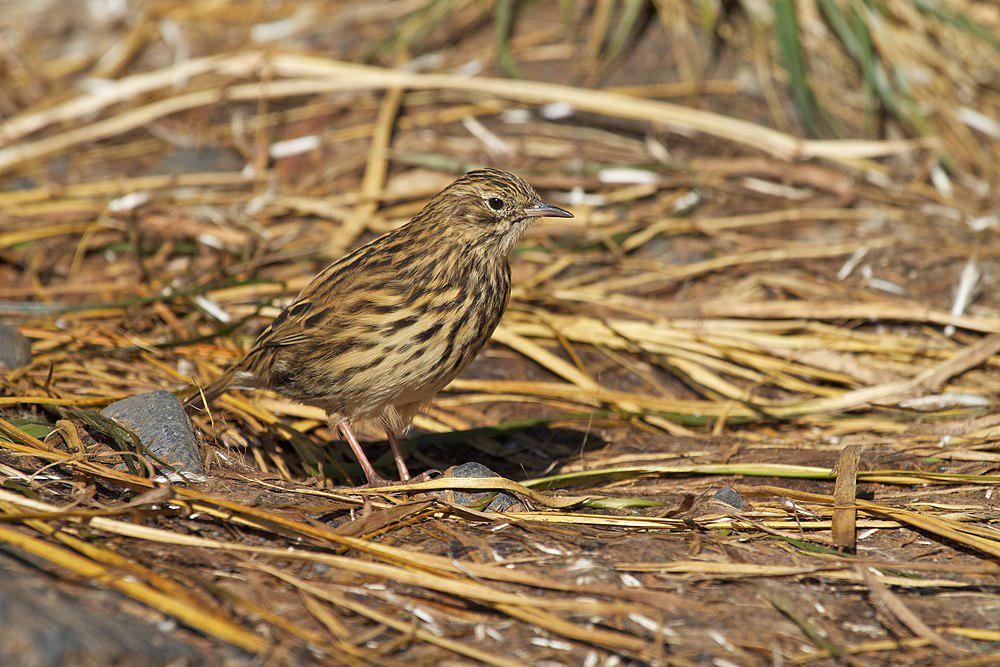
(495, 203)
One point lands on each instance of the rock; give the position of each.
(730, 497)
(43, 627)
(15, 350)
(500, 502)
(161, 424)
(194, 159)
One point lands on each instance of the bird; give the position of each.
(380, 331)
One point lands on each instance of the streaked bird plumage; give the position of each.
(379, 332)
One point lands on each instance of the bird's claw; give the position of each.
(378, 482)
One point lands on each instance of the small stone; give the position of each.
(15, 350)
(500, 502)
(161, 424)
(195, 159)
(730, 497)
(45, 627)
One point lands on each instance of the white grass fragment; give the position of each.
(964, 292)
(557, 111)
(173, 35)
(721, 640)
(494, 144)
(941, 181)
(628, 176)
(129, 202)
(552, 551)
(630, 581)
(978, 121)
(878, 178)
(471, 68)
(425, 62)
(95, 85)
(516, 116)
(656, 149)
(107, 11)
(210, 240)
(866, 534)
(945, 401)
(213, 309)
(282, 29)
(686, 201)
(428, 620)
(775, 189)
(651, 625)
(982, 223)
(852, 263)
(256, 204)
(580, 197)
(296, 146)
(886, 286)
(552, 643)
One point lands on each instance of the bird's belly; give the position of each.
(412, 368)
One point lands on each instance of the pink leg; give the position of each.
(374, 479)
(404, 473)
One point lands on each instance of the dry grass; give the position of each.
(813, 322)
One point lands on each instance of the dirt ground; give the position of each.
(741, 417)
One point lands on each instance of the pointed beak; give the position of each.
(543, 210)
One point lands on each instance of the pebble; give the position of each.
(15, 350)
(730, 497)
(500, 503)
(163, 427)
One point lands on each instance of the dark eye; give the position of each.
(495, 203)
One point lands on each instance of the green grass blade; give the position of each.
(787, 30)
(960, 21)
(504, 24)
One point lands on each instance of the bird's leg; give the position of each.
(404, 473)
(374, 479)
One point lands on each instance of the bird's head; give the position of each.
(489, 206)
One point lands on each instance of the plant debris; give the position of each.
(742, 411)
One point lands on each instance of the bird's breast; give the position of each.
(402, 348)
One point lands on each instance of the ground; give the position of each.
(741, 406)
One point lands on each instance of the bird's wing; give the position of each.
(318, 303)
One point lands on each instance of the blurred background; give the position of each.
(783, 270)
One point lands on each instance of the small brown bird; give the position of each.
(378, 333)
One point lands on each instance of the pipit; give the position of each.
(378, 333)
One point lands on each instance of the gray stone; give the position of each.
(15, 350)
(730, 497)
(161, 424)
(43, 627)
(195, 159)
(500, 502)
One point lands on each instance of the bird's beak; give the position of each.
(543, 210)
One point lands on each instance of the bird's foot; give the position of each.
(377, 481)
(425, 476)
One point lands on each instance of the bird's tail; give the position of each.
(195, 394)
